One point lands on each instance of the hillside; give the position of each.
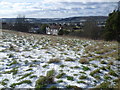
(30, 60)
(57, 20)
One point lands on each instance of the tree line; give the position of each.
(111, 31)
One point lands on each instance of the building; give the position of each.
(34, 29)
(53, 29)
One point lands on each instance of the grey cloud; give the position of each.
(61, 9)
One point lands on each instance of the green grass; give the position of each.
(85, 68)
(52, 88)
(4, 82)
(81, 82)
(44, 66)
(62, 66)
(103, 68)
(73, 87)
(83, 77)
(26, 75)
(76, 67)
(107, 77)
(29, 69)
(97, 77)
(59, 81)
(51, 73)
(95, 72)
(69, 59)
(75, 74)
(113, 73)
(70, 78)
(82, 72)
(13, 62)
(33, 76)
(26, 61)
(94, 65)
(24, 81)
(60, 75)
(13, 71)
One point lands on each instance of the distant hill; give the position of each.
(58, 20)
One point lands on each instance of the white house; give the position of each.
(53, 30)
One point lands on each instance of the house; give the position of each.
(53, 29)
(34, 29)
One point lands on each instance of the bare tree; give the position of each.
(21, 24)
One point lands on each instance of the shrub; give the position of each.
(84, 61)
(55, 60)
(43, 81)
(104, 85)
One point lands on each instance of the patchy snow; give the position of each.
(24, 54)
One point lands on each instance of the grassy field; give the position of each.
(42, 61)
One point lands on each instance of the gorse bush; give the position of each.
(55, 60)
(84, 61)
(43, 81)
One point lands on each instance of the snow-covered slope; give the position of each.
(25, 58)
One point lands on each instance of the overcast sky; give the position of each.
(56, 8)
